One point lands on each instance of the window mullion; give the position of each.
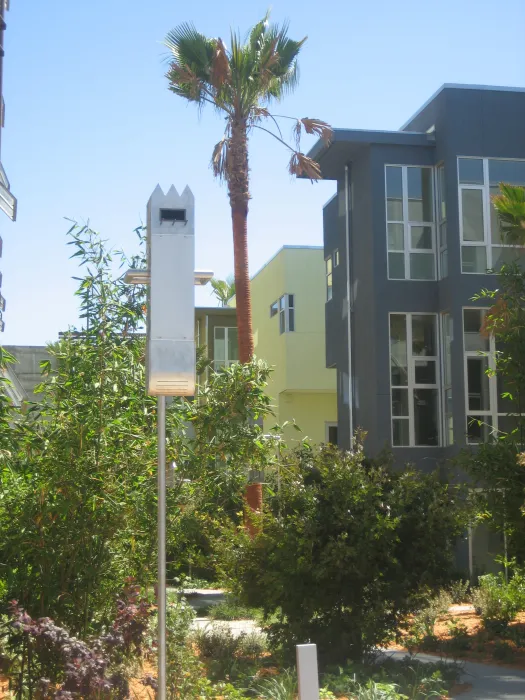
(493, 382)
(486, 212)
(406, 227)
(410, 368)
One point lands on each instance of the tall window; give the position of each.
(414, 379)
(225, 349)
(488, 412)
(446, 354)
(442, 220)
(330, 262)
(328, 272)
(410, 223)
(482, 245)
(286, 313)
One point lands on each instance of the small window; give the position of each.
(274, 309)
(336, 257)
(286, 314)
(328, 272)
(331, 433)
(173, 215)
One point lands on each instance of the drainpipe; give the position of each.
(349, 309)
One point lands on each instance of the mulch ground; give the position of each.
(482, 644)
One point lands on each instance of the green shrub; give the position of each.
(498, 602)
(459, 637)
(344, 551)
(253, 645)
(458, 591)
(389, 679)
(231, 609)
(503, 651)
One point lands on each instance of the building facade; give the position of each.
(7, 201)
(288, 295)
(288, 300)
(409, 238)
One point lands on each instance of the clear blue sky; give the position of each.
(91, 128)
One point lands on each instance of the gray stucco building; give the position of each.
(409, 238)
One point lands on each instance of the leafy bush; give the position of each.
(459, 637)
(459, 591)
(78, 470)
(498, 602)
(426, 618)
(228, 655)
(389, 679)
(345, 550)
(57, 665)
(231, 609)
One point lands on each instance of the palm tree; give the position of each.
(510, 205)
(240, 82)
(223, 290)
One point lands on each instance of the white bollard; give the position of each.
(307, 672)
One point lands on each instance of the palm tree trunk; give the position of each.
(238, 185)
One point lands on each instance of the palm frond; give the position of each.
(317, 128)
(303, 165)
(510, 205)
(220, 67)
(184, 82)
(191, 48)
(220, 159)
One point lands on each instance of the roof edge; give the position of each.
(460, 86)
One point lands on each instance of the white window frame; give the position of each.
(492, 416)
(439, 197)
(411, 385)
(486, 207)
(445, 317)
(226, 362)
(407, 224)
(284, 310)
(329, 277)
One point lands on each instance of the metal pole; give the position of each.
(161, 528)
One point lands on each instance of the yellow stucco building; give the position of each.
(288, 305)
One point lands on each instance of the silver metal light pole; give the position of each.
(170, 356)
(161, 532)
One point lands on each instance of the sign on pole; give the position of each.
(170, 354)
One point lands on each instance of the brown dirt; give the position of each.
(4, 687)
(139, 691)
(482, 645)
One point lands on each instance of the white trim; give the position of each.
(284, 308)
(444, 317)
(227, 360)
(407, 224)
(487, 243)
(491, 415)
(349, 308)
(411, 385)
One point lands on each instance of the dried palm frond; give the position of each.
(220, 67)
(318, 128)
(220, 159)
(302, 165)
